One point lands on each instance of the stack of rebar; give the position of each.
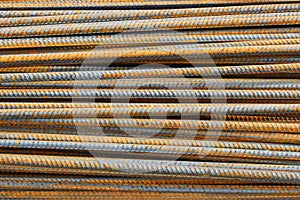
(161, 99)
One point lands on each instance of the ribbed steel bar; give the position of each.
(66, 171)
(165, 134)
(147, 95)
(222, 136)
(138, 195)
(47, 50)
(164, 163)
(157, 149)
(35, 13)
(108, 165)
(91, 172)
(155, 123)
(155, 73)
(147, 54)
(130, 46)
(268, 8)
(123, 64)
(11, 136)
(269, 109)
(234, 136)
(161, 84)
(117, 181)
(143, 25)
(291, 110)
(107, 4)
(265, 60)
(131, 142)
(228, 46)
(242, 160)
(208, 189)
(66, 68)
(223, 113)
(146, 39)
(105, 16)
(254, 30)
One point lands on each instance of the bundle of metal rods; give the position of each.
(161, 99)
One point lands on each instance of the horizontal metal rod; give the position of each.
(160, 124)
(164, 83)
(19, 4)
(83, 143)
(138, 195)
(151, 188)
(159, 37)
(264, 137)
(207, 72)
(192, 53)
(127, 95)
(106, 16)
(238, 108)
(121, 14)
(106, 164)
(142, 25)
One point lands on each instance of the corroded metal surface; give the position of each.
(82, 119)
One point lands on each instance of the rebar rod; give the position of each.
(131, 142)
(137, 195)
(92, 163)
(152, 94)
(142, 25)
(160, 83)
(223, 136)
(133, 15)
(155, 123)
(177, 12)
(155, 113)
(21, 4)
(155, 73)
(139, 39)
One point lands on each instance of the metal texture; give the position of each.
(81, 118)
